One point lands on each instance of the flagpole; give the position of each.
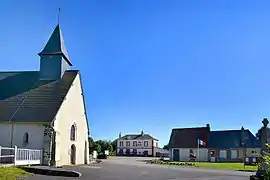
(198, 144)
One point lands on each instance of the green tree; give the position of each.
(110, 148)
(264, 165)
(98, 148)
(166, 147)
(114, 144)
(91, 144)
(102, 145)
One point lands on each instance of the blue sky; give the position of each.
(153, 65)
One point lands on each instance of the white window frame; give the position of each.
(233, 154)
(121, 143)
(224, 154)
(145, 142)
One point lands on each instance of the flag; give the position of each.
(201, 142)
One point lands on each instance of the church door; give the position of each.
(85, 152)
(73, 154)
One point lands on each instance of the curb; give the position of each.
(51, 172)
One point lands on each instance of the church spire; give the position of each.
(54, 60)
(56, 45)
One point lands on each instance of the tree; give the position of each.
(104, 145)
(101, 145)
(264, 164)
(166, 147)
(114, 144)
(110, 148)
(97, 147)
(91, 144)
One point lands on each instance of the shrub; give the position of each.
(159, 161)
(264, 164)
(112, 153)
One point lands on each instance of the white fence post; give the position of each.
(41, 157)
(15, 155)
(21, 156)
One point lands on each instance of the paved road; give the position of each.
(134, 169)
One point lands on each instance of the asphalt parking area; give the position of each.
(136, 168)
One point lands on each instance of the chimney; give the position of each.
(120, 135)
(243, 143)
(142, 132)
(208, 126)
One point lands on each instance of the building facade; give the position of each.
(137, 145)
(37, 108)
(227, 145)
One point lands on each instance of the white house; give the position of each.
(45, 109)
(138, 145)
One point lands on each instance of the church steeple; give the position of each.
(54, 59)
(56, 45)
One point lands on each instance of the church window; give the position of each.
(73, 133)
(26, 138)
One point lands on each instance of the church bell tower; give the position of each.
(54, 60)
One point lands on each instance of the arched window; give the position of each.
(25, 138)
(73, 133)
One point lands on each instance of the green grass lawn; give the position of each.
(226, 166)
(10, 173)
(223, 166)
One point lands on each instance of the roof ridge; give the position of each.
(19, 71)
(229, 130)
(190, 128)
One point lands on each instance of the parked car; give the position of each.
(102, 156)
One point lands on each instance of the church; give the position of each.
(45, 109)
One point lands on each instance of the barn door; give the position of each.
(176, 155)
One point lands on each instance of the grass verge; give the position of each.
(227, 166)
(11, 173)
(221, 166)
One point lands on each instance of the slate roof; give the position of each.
(26, 98)
(56, 45)
(136, 137)
(232, 139)
(188, 137)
